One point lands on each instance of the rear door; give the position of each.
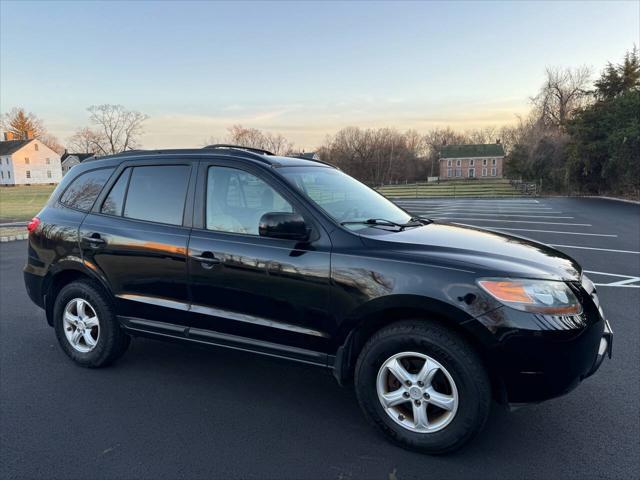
(136, 237)
(245, 284)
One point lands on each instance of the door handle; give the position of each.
(207, 259)
(94, 240)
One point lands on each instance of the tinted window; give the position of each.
(343, 197)
(157, 193)
(84, 190)
(236, 201)
(114, 202)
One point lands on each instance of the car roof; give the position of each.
(266, 158)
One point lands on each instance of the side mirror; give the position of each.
(289, 226)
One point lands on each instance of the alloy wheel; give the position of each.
(417, 392)
(81, 325)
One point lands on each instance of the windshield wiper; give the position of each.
(381, 222)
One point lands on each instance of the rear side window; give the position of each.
(84, 190)
(157, 193)
(114, 202)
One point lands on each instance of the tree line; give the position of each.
(581, 136)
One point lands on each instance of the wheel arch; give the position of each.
(361, 328)
(63, 275)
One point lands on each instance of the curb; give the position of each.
(14, 238)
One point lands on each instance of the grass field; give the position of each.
(451, 188)
(22, 203)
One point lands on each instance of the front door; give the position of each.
(248, 285)
(135, 238)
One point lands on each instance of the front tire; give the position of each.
(86, 325)
(423, 386)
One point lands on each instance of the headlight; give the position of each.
(536, 296)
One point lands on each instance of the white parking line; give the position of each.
(594, 248)
(455, 215)
(516, 221)
(628, 280)
(544, 231)
(482, 210)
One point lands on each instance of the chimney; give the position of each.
(8, 136)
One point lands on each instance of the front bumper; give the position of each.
(533, 365)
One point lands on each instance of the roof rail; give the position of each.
(239, 147)
(314, 160)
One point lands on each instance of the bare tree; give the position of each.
(25, 125)
(85, 140)
(564, 91)
(254, 138)
(115, 129)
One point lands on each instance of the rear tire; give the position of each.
(86, 325)
(423, 386)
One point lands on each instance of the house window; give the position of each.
(449, 172)
(472, 172)
(493, 172)
(48, 161)
(458, 172)
(35, 145)
(472, 162)
(484, 172)
(2, 175)
(26, 160)
(48, 173)
(448, 163)
(458, 163)
(28, 173)
(8, 174)
(493, 162)
(484, 162)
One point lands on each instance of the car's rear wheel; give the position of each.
(86, 325)
(423, 386)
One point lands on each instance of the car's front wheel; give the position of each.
(423, 386)
(86, 325)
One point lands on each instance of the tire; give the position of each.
(103, 340)
(460, 384)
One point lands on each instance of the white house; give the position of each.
(26, 162)
(69, 160)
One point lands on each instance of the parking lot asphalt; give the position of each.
(173, 411)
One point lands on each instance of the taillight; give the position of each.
(33, 224)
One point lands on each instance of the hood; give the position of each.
(484, 251)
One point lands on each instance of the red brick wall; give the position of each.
(466, 164)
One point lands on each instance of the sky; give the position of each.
(303, 69)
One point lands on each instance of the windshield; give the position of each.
(343, 197)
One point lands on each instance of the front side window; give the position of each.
(237, 200)
(157, 193)
(84, 190)
(28, 173)
(493, 172)
(484, 172)
(472, 162)
(48, 173)
(484, 162)
(493, 161)
(458, 163)
(472, 172)
(35, 146)
(26, 160)
(448, 163)
(458, 172)
(449, 172)
(342, 197)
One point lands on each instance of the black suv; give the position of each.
(292, 258)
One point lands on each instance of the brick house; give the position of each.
(471, 161)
